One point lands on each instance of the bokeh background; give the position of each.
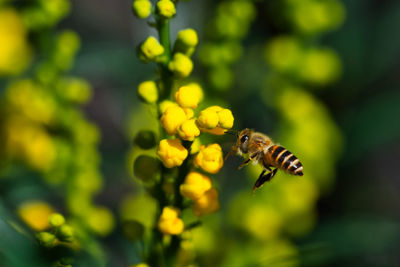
(321, 77)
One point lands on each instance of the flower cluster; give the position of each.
(199, 189)
(169, 222)
(59, 232)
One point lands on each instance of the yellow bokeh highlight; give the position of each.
(15, 53)
(36, 214)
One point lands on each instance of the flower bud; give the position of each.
(148, 91)
(207, 203)
(181, 65)
(210, 158)
(141, 8)
(46, 239)
(169, 223)
(56, 220)
(189, 96)
(172, 118)
(65, 233)
(188, 130)
(171, 152)
(166, 8)
(195, 185)
(150, 49)
(186, 41)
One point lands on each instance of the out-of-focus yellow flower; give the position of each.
(284, 53)
(171, 152)
(189, 113)
(169, 222)
(320, 66)
(65, 233)
(46, 239)
(148, 91)
(207, 203)
(166, 104)
(150, 49)
(30, 99)
(181, 65)
(188, 130)
(186, 41)
(214, 116)
(263, 222)
(56, 220)
(172, 118)
(74, 89)
(210, 158)
(15, 53)
(195, 147)
(141, 8)
(31, 143)
(188, 37)
(195, 185)
(36, 214)
(100, 220)
(189, 96)
(166, 8)
(139, 265)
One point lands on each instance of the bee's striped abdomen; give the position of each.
(285, 160)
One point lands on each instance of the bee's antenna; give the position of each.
(232, 132)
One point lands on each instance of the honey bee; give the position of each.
(261, 149)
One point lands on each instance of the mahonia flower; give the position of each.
(189, 113)
(186, 41)
(189, 96)
(172, 118)
(209, 158)
(188, 130)
(188, 37)
(166, 104)
(207, 203)
(148, 91)
(195, 185)
(181, 65)
(150, 49)
(215, 120)
(166, 8)
(141, 8)
(169, 223)
(171, 152)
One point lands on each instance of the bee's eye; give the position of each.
(244, 138)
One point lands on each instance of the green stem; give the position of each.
(165, 41)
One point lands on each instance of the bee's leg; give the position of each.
(244, 163)
(264, 178)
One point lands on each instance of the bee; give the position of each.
(259, 148)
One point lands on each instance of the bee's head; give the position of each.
(243, 141)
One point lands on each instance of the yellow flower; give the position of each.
(166, 8)
(56, 220)
(100, 220)
(36, 214)
(207, 203)
(181, 65)
(189, 96)
(172, 118)
(209, 158)
(188, 130)
(140, 265)
(150, 49)
(213, 118)
(189, 113)
(208, 119)
(171, 152)
(195, 185)
(225, 118)
(15, 53)
(169, 223)
(148, 91)
(166, 104)
(188, 37)
(141, 8)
